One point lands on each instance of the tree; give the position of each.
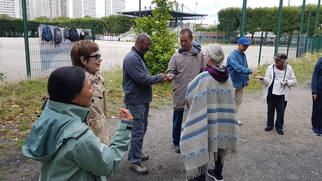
(164, 42)
(118, 24)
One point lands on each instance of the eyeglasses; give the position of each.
(96, 56)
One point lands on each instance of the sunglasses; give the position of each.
(96, 56)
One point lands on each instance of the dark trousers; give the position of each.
(140, 114)
(317, 111)
(176, 126)
(278, 103)
(218, 166)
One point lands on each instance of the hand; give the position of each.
(315, 97)
(258, 77)
(125, 114)
(284, 83)
(255, 71)
(166, 77)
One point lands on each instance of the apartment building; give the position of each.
(113, 6)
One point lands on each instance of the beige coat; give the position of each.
(97, 118)
(183, 67)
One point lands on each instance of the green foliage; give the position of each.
(4, 16)
(61, 18)
(164, 42)
(211, 28)
(118, 24)
(265, 19)
(42, 18)
(229, 19)
(2, 77)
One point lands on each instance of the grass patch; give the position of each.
(5, 168)
(31, 161)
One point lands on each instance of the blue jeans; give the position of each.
(277, 103)
(139, 126)
(176, 126)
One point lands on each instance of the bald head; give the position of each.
(143, 42)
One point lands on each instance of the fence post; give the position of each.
(279, 21)
(301, 27)
(260, 49)
(25, 27)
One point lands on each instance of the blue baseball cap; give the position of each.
(244, 41)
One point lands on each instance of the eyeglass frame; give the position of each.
(96, 56)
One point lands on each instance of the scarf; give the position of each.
(280, 67)
(96, 81)
(220, 74)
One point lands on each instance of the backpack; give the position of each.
(73, 35)
(81, 36)
(46, 33)
(66, 33)
(57, 36)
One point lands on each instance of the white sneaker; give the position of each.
(239, 122)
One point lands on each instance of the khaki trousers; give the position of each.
(239, 92)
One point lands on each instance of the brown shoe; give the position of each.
(144, 157)
(139, 168)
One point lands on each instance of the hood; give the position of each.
(220, 74)
(320, 60)
(49, 132)
(196, 48)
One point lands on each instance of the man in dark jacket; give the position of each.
(137, 86)
(317, 99)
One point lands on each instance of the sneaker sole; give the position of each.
(315, 133)
(214, 177)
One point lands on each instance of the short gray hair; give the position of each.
(215, 53)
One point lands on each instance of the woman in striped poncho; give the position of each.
(210, 128)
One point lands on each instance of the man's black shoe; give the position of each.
(280, 131)
(268, 128)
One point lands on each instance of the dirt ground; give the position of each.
(262, 156)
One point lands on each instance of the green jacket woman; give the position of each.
(63, 143)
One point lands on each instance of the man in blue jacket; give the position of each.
(317, 98)
(137, 86)
(239, 71)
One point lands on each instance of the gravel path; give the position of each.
(262, 155)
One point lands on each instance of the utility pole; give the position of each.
(140, 8)
(51, 18)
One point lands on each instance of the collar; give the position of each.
(78, 112)
(141, 54)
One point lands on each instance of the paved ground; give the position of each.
(13, 61)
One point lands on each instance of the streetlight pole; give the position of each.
(50, 10)
(140, 8)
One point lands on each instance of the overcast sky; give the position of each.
(211, 7)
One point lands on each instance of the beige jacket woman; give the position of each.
(97, 118)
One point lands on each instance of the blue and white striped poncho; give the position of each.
(209, 122)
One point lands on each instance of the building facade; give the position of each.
(113, 6)
(10, 8)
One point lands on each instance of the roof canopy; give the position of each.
(178, 15)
